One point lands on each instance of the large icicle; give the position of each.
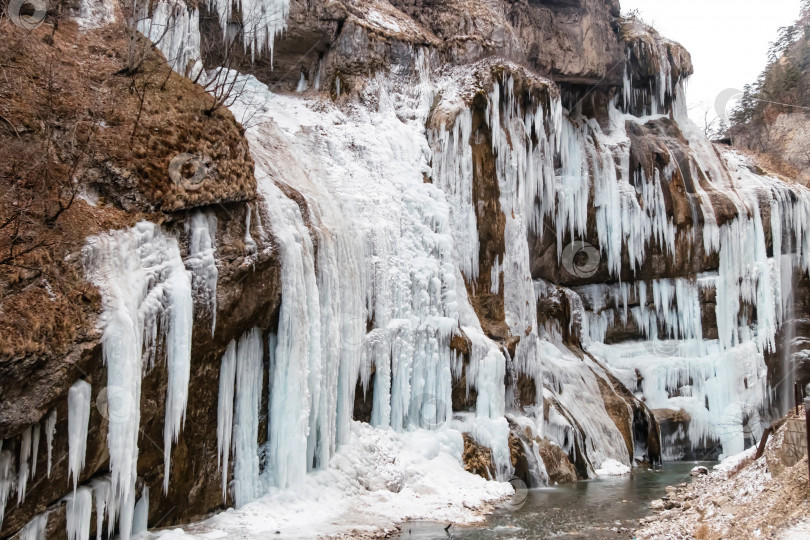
(78, 418)
(23, 465)
(50, 430)
(143, 284)
(202, 229)
(35, 435)
(180, 315)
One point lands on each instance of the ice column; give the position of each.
(249, 378)
(298, 348)
(227, 380)
(140, 518)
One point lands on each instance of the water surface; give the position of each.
(601, 508)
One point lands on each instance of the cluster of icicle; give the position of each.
(148, 312)
(26, 470)
(719, 383)
(175, 28)
(378, 296)
(525, 144)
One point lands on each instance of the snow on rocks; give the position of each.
(378, 479)
(611, 467)
(699, 471)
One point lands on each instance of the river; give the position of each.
(601, 508)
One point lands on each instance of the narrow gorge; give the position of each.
(314, 267)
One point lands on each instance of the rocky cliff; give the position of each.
(488, 218)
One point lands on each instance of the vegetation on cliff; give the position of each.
(773, 114)
(87, 148)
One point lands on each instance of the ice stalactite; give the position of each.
(201, 229)
(302, 84)
(146, 294)
(50, 430)
(23, 466)
(7, 479)
(35, 436)
(249, 382)
(140, 517)
(78, 418)
(36, 528)
(179, 318)
(78, 513)
(250, 243)
(495, 277)
(227, 382)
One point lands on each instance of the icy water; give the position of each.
(598, 508)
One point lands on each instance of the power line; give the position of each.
(782, 104)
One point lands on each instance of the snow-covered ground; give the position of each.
(379, 479)
(740, 498)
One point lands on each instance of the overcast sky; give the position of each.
(728, 39)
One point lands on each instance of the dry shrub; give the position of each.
(71, 119)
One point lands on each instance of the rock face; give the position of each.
(564, 212)
(121, 181)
